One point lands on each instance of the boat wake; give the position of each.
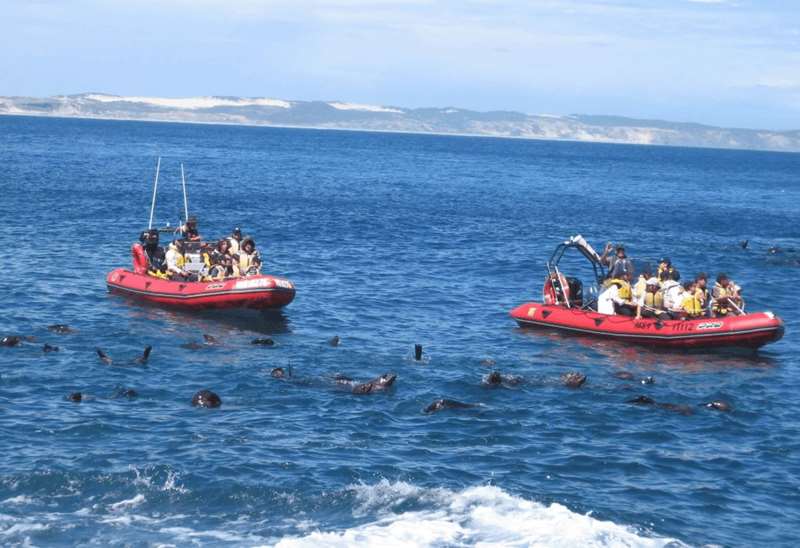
(484, 515)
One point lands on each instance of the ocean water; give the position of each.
(391, 240)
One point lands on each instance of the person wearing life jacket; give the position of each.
(189, 231)
(156, 257)
(618, 264)
(176, 261)
(726, 297)
(701, 292)
(249, 258)
(640, 287)
(222, 263)
(691, 304)
(235, 240)
(652, 305)
(666, 270)
(205, 255)
(673, 295)
(616, 297)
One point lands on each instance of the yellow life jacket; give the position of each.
(719, 293)
(624, 288)
(245, 261)
(692, 305)
(158, 274)
(640, 288)
(654, 300)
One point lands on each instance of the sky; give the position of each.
(733, 63)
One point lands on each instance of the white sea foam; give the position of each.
(191, 103)
(21, 499)
(479, 516)
(128, 503)
(366, 108)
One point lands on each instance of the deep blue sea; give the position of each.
(392, 240)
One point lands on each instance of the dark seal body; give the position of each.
(206, 398)
(444, 403)
(384, 382)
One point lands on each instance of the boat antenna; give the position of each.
(185, 201)
(155, 190)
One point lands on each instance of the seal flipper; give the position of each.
(145, 355)
(105, 358)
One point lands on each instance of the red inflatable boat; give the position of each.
(258, 292)
(748, 330)
(565, 307)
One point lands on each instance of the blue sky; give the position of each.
(722, 62)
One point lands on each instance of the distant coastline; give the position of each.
(336, 115)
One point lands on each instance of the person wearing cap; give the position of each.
(156, 257)
(652, 305)
(618, 264)
(235, 240)
(189, 229)
(666, 270)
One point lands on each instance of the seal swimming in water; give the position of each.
(76, 397)
(209, 339)
(50, 348)
(495, 378)
(11, 340)
(444, 403)
(206, 398)
(418, 352)
(334, 341)
(263, 342)
(279, 373)
(718, 406)
(573, 379)
(647, 400)
(106, 359)
(122, 392)
(61, 329)
(384, 382)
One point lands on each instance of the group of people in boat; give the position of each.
(189, 258)
(661, 294)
